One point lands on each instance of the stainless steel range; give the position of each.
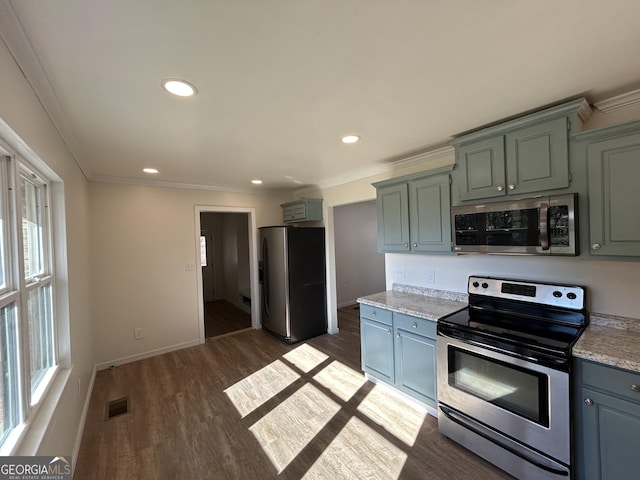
(504, 367)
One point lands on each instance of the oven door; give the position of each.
(525, 401)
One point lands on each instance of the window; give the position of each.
(28, 356)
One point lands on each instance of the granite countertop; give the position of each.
(419, 302)
(612, 341)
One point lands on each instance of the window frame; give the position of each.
(18, 287)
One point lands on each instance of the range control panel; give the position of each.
(563, 296)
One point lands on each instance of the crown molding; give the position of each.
(618, 102)
(403, 162)
(16, 40)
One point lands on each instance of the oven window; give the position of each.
(518, 390)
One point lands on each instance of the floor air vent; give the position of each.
(116, 408)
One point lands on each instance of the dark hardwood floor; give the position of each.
(248, 406)
(223, 317)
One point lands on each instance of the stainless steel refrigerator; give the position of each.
(292, 282)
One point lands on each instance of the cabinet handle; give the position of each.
(596, 246)
(588, 401)
(635, 388)
(373, 313)
(406, 244)
(500, 188)
(414, 325)
(415, 245)
(512, 186)
(397, 335)
(389, 332)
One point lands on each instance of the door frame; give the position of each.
(253, 261)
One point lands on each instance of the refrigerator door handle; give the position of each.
(265, 276)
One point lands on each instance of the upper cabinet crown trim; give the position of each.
(619, 130)
(414, 176)
(580, 107)
(618, 102)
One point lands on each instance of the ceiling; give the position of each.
(281, 81)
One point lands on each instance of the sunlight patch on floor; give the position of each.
(398, 417)
(289, 427)
(341, 380)
(358, 452)
(254, 390)
(305, 357)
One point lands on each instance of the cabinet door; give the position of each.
(538, 157)
(377, 349)
(610, 439)
(430, 217)
(614, 196)
(415, 362)
(482, 169)
(393, 218)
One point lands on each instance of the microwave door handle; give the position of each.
(544, 226)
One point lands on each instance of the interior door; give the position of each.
(206, 262)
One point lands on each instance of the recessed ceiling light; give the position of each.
(350, 138)
(150, 170)
(256, 182)
(179, 87)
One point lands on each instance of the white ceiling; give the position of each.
(280, 81)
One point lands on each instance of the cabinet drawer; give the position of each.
(611, 379)
(375, 313)
(416, 325)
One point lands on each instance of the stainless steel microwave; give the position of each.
(531, 226)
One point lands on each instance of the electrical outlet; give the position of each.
(431, 276)
(137, 334)
(189, 267)
(400, 273)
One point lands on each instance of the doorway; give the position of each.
(227, 273)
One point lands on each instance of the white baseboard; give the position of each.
(150, 353)
(83, 418)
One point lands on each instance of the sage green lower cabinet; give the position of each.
(415, 357)
(376, 339)
(607, 424)
(400, 350)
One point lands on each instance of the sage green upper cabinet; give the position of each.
(429, 214)
(613, 163)
(482, 168)
(302, 210)
(392, 203)
(414, 213)
(522, 156)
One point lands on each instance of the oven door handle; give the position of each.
(481, 431)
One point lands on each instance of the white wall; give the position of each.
(359, 266)
(142, 239)
(613, 287)
(57, 425)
